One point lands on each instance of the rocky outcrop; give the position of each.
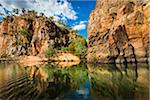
(30, 35)
(66, 57)
(60, 58)
(118, 31)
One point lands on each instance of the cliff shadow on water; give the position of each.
(83, 81)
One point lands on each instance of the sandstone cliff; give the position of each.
(30, 34)
(24, 35)
(118, 31)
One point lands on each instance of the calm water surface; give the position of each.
(79, 82)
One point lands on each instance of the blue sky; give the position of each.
(73, 12)
(83, 9)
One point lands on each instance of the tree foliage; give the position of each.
(78, 47)
(26, 34)
(50, 51)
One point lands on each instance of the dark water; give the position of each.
(79, 82)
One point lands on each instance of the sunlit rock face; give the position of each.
(30, 35)
(118, 31)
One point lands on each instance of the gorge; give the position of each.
(43, 58)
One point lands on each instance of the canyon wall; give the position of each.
(118, 31)
(30, 35)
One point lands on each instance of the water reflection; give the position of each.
(112, 82)
(78, 82)
(40, 81)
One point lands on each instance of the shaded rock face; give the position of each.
(118, 31)
(25, 35)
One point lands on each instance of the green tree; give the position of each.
(1, 14)
(16, 11)
(60, 22)
(50, 51)
(51, 17)
(32, 12)
(41, 14)
(23, 10)
(64, 49)
(26, 34)
(78, 47)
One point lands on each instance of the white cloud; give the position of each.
(50, 7)
(83, 22)
(80, 26)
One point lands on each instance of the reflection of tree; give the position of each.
(60, 81)
(43, 81)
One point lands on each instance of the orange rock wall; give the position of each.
(118, 31)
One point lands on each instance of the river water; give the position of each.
(77, 82)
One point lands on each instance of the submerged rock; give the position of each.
(118, 31)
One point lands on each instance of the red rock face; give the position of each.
(25, 35)
(118, 31)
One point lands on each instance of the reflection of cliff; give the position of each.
(50, 82)
(108, 82)
(13, 81)
(39, 81)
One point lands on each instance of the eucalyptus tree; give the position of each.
(16, 11)
(23, 10)
(41, 14)
(1, 14)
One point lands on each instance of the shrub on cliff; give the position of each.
(64, 49)
(78, 47)
(50, 51)
(27, 34)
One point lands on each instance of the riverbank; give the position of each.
(33, 60)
